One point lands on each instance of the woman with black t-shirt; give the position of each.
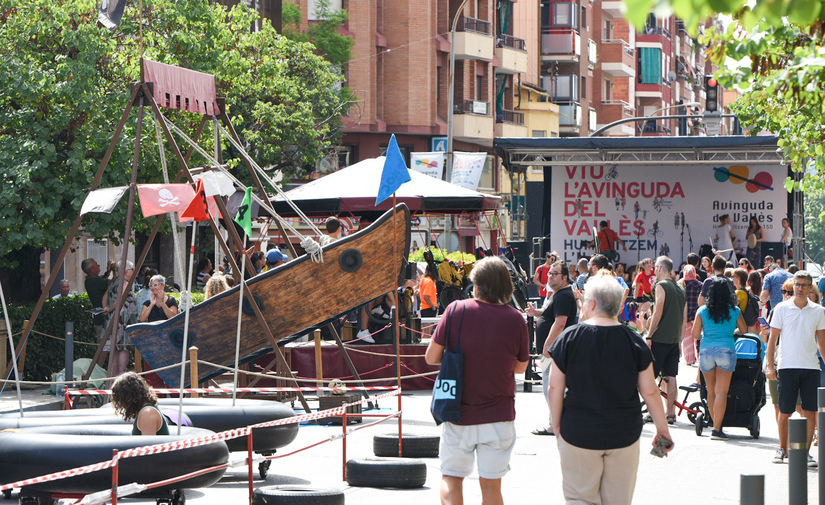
(598, 421)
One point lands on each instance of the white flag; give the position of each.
(467, 169)
(431, 164)
(216, 183)
(103, 200)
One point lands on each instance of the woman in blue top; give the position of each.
(714, 324)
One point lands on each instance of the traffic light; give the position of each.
(711, 94)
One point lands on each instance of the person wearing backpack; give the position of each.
(746, 301)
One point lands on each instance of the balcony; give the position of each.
(570, 117)
(511, 53)
(472, 121)
(616, 110)
(618, 58)
(560, 44)
(613, 8)
(473, 40)
(653, 36)
(510, 123)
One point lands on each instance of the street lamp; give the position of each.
(451, 97)
(643, 118)
(689, 104)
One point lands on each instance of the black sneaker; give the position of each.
(719, 435)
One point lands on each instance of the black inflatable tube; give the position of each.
(39, 451)
(215, 414)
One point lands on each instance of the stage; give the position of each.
(371, 361)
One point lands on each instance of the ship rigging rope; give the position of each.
(311, 246)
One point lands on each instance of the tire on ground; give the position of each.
(414, 446)
(297, 495)
(391, 472)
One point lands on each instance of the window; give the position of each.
(312, 6)
(650, 62)
(566, 88)
(559, 14)
(607, 29)
(486, 181)
(584, 17)
(99, 251)
(607, 90)
(584, 87)
(480, 88)
(538, 133)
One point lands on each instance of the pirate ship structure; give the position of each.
(307, 291)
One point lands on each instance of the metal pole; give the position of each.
(821, 422)
(450, 120)
(797, 461)
(751, 489)
(69, 373)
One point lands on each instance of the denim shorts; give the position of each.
(722, 357)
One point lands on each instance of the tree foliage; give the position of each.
(64, 84)
(323, 34)
(779, 62)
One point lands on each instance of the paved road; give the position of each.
(698, 469)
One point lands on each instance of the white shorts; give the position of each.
(493, 442)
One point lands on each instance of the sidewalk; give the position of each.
(33, 398)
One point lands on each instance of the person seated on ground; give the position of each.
(159, 306)
(132, 398)
(204, 272)
(216, 284)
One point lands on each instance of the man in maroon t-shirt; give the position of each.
(493, 337)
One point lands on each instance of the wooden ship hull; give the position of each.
(293, 297)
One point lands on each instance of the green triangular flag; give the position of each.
(244, 216)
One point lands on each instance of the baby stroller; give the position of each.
(746, 395)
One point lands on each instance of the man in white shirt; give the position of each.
(725, 238)
(65, 290)
(801, 325)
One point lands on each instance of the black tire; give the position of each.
(263, 468)
(297, 495)
(178, 498)
(399, 473)
(754, 429)
(414, 446)
(700, 424)
(698, 406)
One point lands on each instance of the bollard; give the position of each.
(820, 392)
(751, 489)
(193, 369)
(69, 374)
(319, 362)
(797, 461)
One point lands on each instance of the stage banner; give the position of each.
(467, 169)
(431, 164)
(671, 210)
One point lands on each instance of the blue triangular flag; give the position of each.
(395, 172)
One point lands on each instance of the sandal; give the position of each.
(543, 432)
(671, 419)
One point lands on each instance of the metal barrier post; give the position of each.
(249, 460)
(69, 372)
(400, 438)
(797, 461)
(344, 441)
(820, 415)
(751, 489)
(115, 460)
(319, 362)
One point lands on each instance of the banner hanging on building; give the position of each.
(431, 164)
(670, 211)
(467, 169)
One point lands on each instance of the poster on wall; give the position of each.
(431, 164)
(669, 211)
(467, 169)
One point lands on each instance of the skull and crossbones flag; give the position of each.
(162, 198)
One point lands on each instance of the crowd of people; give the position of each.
(634, 324)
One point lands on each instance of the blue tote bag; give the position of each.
(446, 402)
